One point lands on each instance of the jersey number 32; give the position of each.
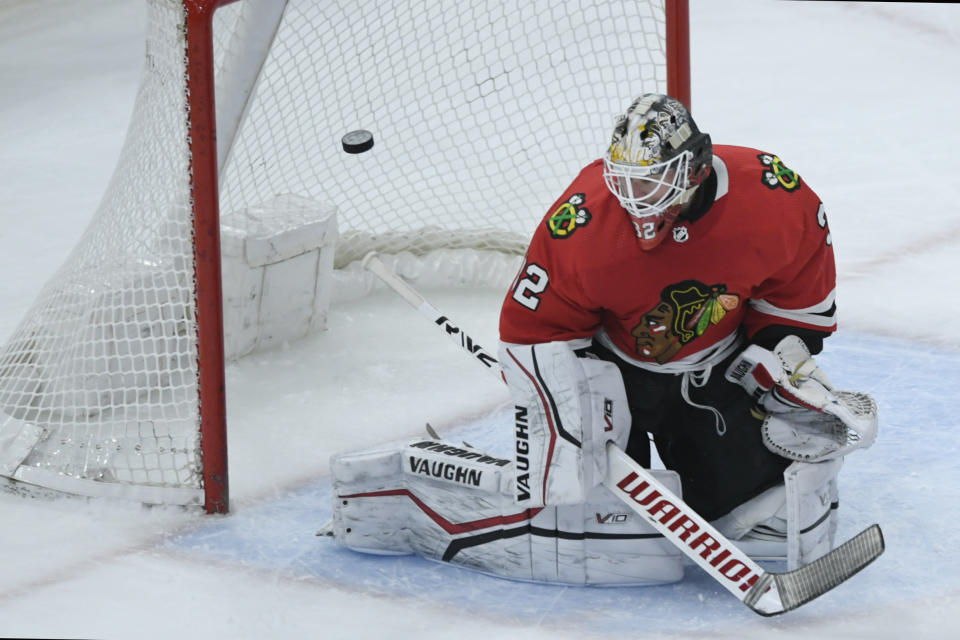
(530, 283)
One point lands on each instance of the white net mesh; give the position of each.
(482, 113)
(105, 361)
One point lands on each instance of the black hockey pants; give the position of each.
(718, 472)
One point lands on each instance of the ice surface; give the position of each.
(859, 98)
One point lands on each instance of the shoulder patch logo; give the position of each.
(685, 312)
(569, 216)
(777, 174)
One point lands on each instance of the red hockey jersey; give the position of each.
(760, 256)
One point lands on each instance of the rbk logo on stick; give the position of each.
(467, 342)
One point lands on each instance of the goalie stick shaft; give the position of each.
(764, 592)
(373, 264)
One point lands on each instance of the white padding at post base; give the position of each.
(277, 272)
(278, 230)
(17, 440)
(145, 494)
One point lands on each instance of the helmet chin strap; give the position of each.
(684, 198)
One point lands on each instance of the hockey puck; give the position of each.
(357, 141)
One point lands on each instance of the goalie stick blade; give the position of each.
(802, 585)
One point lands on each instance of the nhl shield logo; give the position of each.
(680, 234)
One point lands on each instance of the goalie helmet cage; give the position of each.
(113, 383)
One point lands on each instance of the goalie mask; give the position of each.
(656, 160)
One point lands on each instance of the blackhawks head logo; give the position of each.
(569, 216)
(685, 312)
(776, 174)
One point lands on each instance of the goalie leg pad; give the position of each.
(759, 510)
(796, 520)
(455, 504)
(618, 546)
(812, 510)
(566, 409)
(380, 494)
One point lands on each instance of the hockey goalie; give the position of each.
(676, 294)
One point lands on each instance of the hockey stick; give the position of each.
(765, 592)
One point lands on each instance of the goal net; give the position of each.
(482, 113)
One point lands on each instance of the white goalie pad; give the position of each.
(566, 410)
(812, 510)
(455, 504)
(795, 521)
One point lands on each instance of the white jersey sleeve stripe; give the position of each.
(822, 314)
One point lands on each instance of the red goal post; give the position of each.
(114, 383)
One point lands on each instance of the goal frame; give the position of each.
(204, 186)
